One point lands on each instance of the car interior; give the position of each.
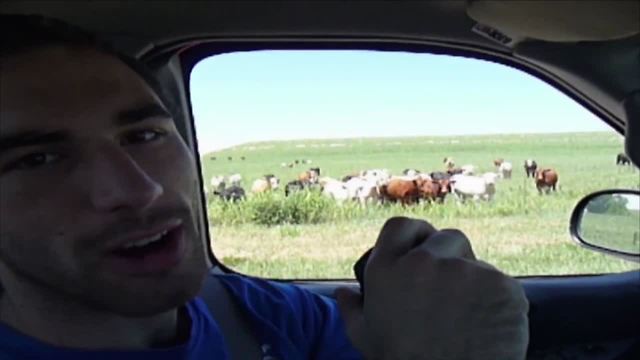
(588, 50)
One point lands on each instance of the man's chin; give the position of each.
(148, 300)
(148, 296)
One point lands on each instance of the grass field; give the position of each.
(521, 232)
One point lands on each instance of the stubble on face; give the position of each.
(50, 238)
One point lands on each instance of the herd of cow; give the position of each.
(380, 186)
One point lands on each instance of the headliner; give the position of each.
(603, 72)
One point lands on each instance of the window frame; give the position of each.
(191, 53)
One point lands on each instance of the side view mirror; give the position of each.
(609, 222)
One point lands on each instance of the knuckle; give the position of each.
(418, 259)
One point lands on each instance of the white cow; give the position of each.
(274, 182)
(265, 184)
(379, 176)
(476, 187)
(402, 177)
(334, 189)
(491, 177)
(235, 179)
(363, 189)
(449, 163)
(505, 170)
(468, 169)
(411, 172)
(216, 181)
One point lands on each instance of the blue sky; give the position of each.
(282, 95)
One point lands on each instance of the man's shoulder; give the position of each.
(287, 314)
(276, 295)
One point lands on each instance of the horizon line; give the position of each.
(259, 142)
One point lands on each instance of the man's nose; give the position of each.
(118, 182)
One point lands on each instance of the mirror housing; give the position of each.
(608, 221)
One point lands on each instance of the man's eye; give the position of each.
(143, 136)
(35, 160)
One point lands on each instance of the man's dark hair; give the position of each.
(22, 33)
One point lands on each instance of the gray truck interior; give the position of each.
(589, 50)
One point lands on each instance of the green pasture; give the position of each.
(521, 232)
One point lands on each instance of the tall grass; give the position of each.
(309, 207)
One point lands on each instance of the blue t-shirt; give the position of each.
(289, 322)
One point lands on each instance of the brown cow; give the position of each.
(311, 176)
(546, 179)
(432, 191)
(304, 176)
(435, 190)
(405, 191)
(445, 188)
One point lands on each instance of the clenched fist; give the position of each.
(429, 298)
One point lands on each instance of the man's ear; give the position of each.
(632, 133)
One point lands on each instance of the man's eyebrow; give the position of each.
(141, 113)
(31, 138)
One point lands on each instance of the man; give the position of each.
(101, 258)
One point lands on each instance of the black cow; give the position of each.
(439, 175)
(233, 193)
(295, 185)
(622, 159)
(410, 171)
(530, 167)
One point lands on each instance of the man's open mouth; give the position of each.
(146, 245)
(154, 253)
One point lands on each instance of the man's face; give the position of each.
(92, 168)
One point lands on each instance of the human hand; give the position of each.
(431, 299)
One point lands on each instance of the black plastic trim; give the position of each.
(192, 52)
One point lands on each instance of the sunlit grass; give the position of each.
(521, 232)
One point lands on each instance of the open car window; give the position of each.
(306, 153)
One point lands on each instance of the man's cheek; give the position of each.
(182, 176)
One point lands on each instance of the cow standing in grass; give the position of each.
(622, 159)
(334, 189)
(476, 187)
(546, 179)
(295, 186)
(449, 163)
(232, 193)
(434, 190)
(267, 183)
(404, 191)
(235, 179)
(362, 189)
(411, 172)
(530, 167)
(439, 175)
(310, 176)
(504, 168)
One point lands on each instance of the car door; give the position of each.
(582, 311)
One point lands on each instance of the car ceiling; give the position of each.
(567, 45)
